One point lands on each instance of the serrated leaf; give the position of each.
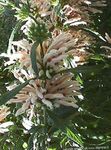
(10, 94)
(33, 58)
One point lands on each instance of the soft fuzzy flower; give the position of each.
(59, 90)
(85, 7)
(21, 55)
(27, 96)
(57, 50)
(65, 45)
(4, 111)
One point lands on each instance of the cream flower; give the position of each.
(54, 90)
(4, 111)
(107, 48)
(50, 56)
(27, 96)
(72, 16)
(59, 90)
(56, 51)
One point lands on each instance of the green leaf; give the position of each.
(51, 149)
(16, 28)
(97, 57)
(10, 94)
(38, 31)
(30, 142)
(33, 58)
(86, 69)
(95, 34)
(22, 13)
(74, 137)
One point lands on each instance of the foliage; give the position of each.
(54, 47)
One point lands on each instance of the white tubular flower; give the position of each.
(61, 89)
(43, 7)
(26, 27)
(27, 123)
(4, 126)
(72, 16)
(28, 96)
(56, 51)
(87, 2)
(60, 40)
(4, 111)
(21, 55)
(108, 38)
(24, 44)
(107, 48)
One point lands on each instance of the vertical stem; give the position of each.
(42, 51)
(45, 129)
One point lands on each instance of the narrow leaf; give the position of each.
(16, 28)
(94, 33)
(33, 58)
(74, 137)
(85, 69)
(10, 94)
(30, 142)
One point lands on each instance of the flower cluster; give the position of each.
(56, 88)
(60, 90)
(72, 16)
(53, 86)
(86, 6)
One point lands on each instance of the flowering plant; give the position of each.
(48, 63)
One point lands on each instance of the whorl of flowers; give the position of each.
(52, 88)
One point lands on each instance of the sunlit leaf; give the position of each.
(94, 33)
(74, 137)
(17, 26)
